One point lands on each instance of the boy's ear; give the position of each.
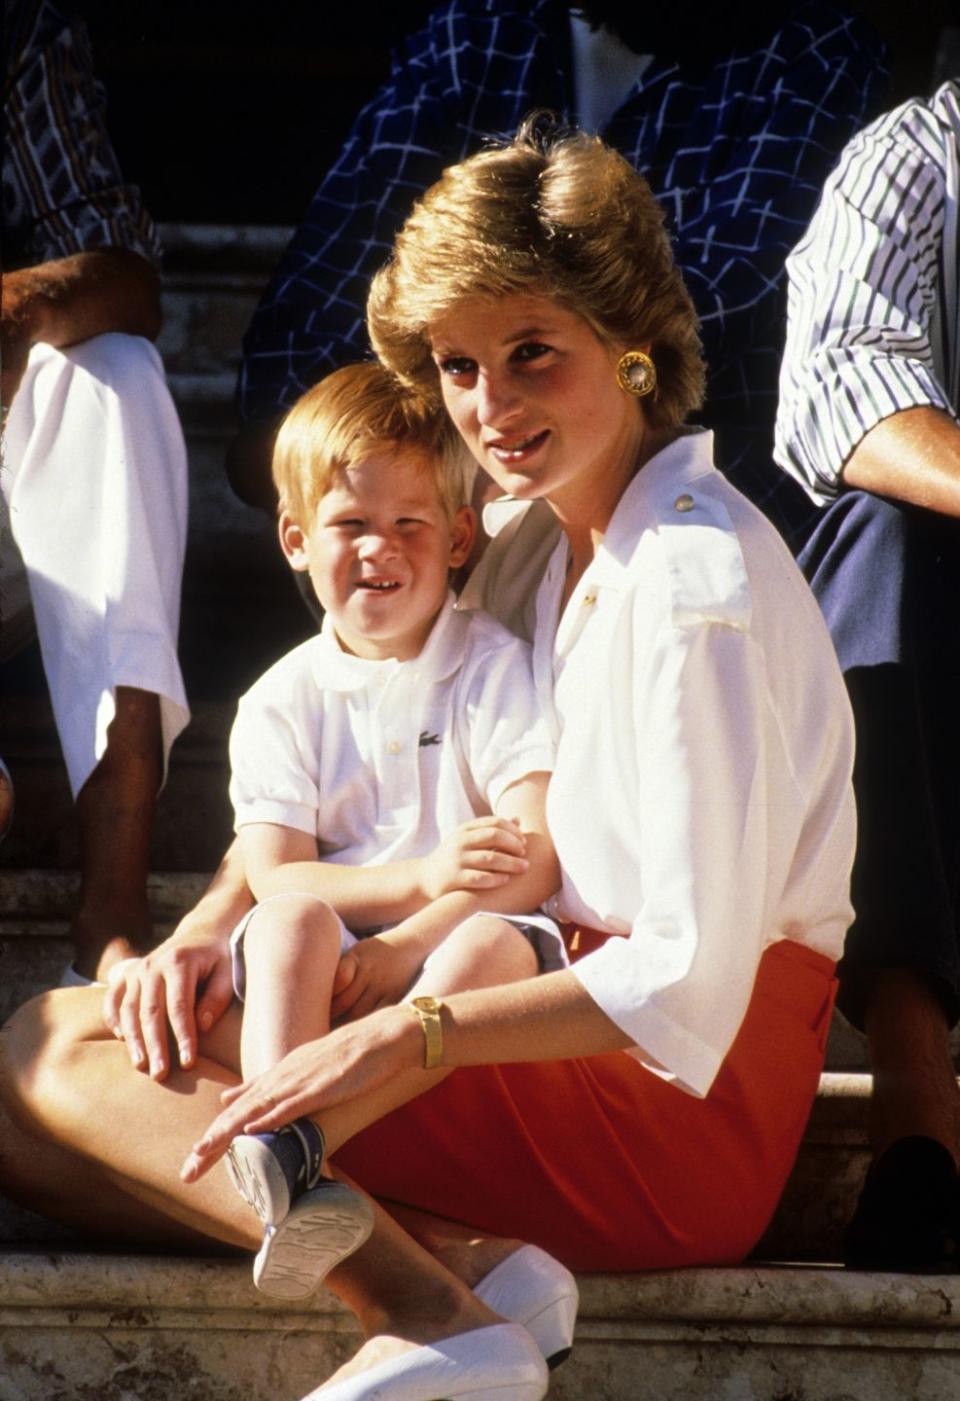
(463, 532)
(293, 541)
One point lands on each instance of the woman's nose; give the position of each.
(498, 400)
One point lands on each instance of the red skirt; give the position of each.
(604, 1164)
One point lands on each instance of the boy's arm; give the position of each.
(481, 855)
(385, 966)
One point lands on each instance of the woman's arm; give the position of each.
(544, 1018)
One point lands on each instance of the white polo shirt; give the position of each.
(379, 760)
(700, 803)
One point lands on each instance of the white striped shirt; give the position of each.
(873, 311)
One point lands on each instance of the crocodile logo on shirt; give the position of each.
(426, 738)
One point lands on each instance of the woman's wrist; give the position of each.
(406, 1034)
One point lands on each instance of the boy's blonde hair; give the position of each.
(552, 213)
(352, 413)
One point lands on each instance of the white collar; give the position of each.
(337, 670)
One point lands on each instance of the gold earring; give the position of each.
(636, 373)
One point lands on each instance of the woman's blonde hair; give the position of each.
(354, 412)
(555, 214)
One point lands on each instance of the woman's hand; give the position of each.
(345, 1065)
(480, 854)
(185, 985)
(182, 987)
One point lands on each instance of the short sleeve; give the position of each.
(269, 775)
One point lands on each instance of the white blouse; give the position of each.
(701, 803)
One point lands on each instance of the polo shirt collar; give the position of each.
(337, 670)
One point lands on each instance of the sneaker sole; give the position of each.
(322, 1228)
(259, 1179)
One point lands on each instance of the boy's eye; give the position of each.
(456, 366)
(348, 523)
(406, 522)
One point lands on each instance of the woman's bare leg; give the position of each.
(56, 1183)
(466, 1253)
(70, 1082)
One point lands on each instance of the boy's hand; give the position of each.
(376, 972)
(481, 854)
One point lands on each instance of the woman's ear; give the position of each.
(293, 541)
(463, 532)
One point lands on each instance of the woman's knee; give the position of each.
(40, 1041)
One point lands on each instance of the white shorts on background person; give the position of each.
(95, 493)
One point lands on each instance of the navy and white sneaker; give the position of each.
(311, 1222)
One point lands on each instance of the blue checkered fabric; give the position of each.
(737, 154)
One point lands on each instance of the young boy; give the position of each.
(388, 780)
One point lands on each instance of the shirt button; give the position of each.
(394, 747)
(683, 503)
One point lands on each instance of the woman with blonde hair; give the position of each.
(641, 1109)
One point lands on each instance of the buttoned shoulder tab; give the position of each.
(706, 570)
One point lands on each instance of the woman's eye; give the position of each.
(531, 350)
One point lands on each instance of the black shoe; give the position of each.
(908, 1215)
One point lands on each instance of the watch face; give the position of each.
(427, 1004)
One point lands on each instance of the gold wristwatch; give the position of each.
(428, 1011)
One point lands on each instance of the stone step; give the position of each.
(213, 276)
(116, 1327)
(240, 609)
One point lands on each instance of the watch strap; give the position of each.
(427, 1010)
